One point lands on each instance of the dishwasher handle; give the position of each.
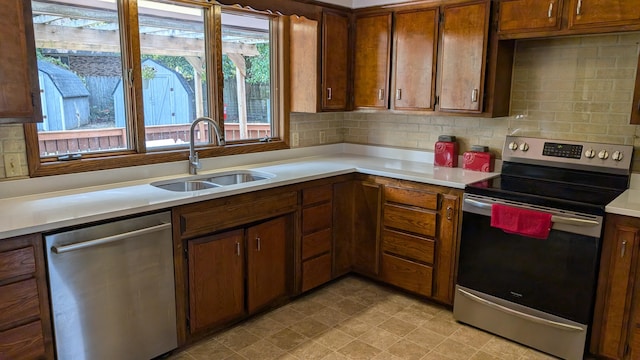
(108, 239)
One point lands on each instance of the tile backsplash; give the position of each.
(563, 88)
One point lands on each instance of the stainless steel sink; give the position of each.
(202, 182)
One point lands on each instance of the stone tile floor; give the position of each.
(354, 318)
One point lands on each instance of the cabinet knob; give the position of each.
(449, 213)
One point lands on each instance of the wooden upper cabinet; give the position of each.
(464, 43)
(303, 63)
(372, 53)
(596, 13)
(335, 60)
(529, 15)
(19, 88)
(415, 48)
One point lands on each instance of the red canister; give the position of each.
(446, 151)
(478, 159)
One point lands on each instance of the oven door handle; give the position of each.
(536, 319)
(554, 218)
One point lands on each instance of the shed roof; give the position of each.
(68, 83)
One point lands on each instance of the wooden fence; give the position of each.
(76, 141)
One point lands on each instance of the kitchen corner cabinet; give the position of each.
(616, 324)
(317, 236)
(19, 88)
(335, 61)
(233, 257)
(419, 238)
(25, 320)
(464, 45)
(415, 40)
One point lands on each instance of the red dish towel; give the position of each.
(524, 222)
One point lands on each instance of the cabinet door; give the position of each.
(529, 15)
(303, 64)
(464, 43)
(335, 60)
(615, 286)
(594, 13)
(635, 108)
(372, 51)
(266, 263)
(366, 244)
(446, 248)
(216, 279)
(415, 48)
(19, 89)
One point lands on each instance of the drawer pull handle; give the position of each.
(550, 12)
(474, 95)
(237, 249)
(398, 94)
(624, 248)
(449, 213)
(258, 243)
(380, 94)
(579, 8)
(329, 95)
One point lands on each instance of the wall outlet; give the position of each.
(322, 136)
(295, 139)
(12, 165)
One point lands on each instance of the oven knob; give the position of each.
(590, 154)
(603, 154)
(617, 156)
(513, 145)
(524, 146)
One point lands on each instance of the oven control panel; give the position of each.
(570, 154)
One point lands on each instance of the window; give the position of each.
(111, 88)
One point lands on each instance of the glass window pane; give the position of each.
(174, 88)
(80, 72)
(246, 49)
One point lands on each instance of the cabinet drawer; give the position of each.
(316, 243)
(407, 274)
(17, 262)
(414, 197)
(316, 218)
(317, 194)
(412, 220)
(18, 301)
(316, 272)
(23, 342)
(409, 246)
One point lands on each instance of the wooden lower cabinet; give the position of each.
(419, 238)
(616, 324)
(219, 264)
(25, 320)
(216, 279)
(317, 235)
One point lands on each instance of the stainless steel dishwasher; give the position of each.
(112, 290)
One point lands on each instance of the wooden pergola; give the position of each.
(92, 26)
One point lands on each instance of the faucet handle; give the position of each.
(195, 161)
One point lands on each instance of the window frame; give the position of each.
(138, 153)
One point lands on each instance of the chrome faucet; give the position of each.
(194, 161)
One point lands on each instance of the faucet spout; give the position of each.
(194, 161)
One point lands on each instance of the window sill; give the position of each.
(114, 161)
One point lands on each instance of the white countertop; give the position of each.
(44, 204)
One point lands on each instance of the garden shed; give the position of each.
(65, 99)
(167, 97)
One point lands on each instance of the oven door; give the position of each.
(556, 275)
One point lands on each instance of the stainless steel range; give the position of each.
(530, 242)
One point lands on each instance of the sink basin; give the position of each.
(192, 185)
(202, 182)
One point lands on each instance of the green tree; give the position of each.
(258, 67)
